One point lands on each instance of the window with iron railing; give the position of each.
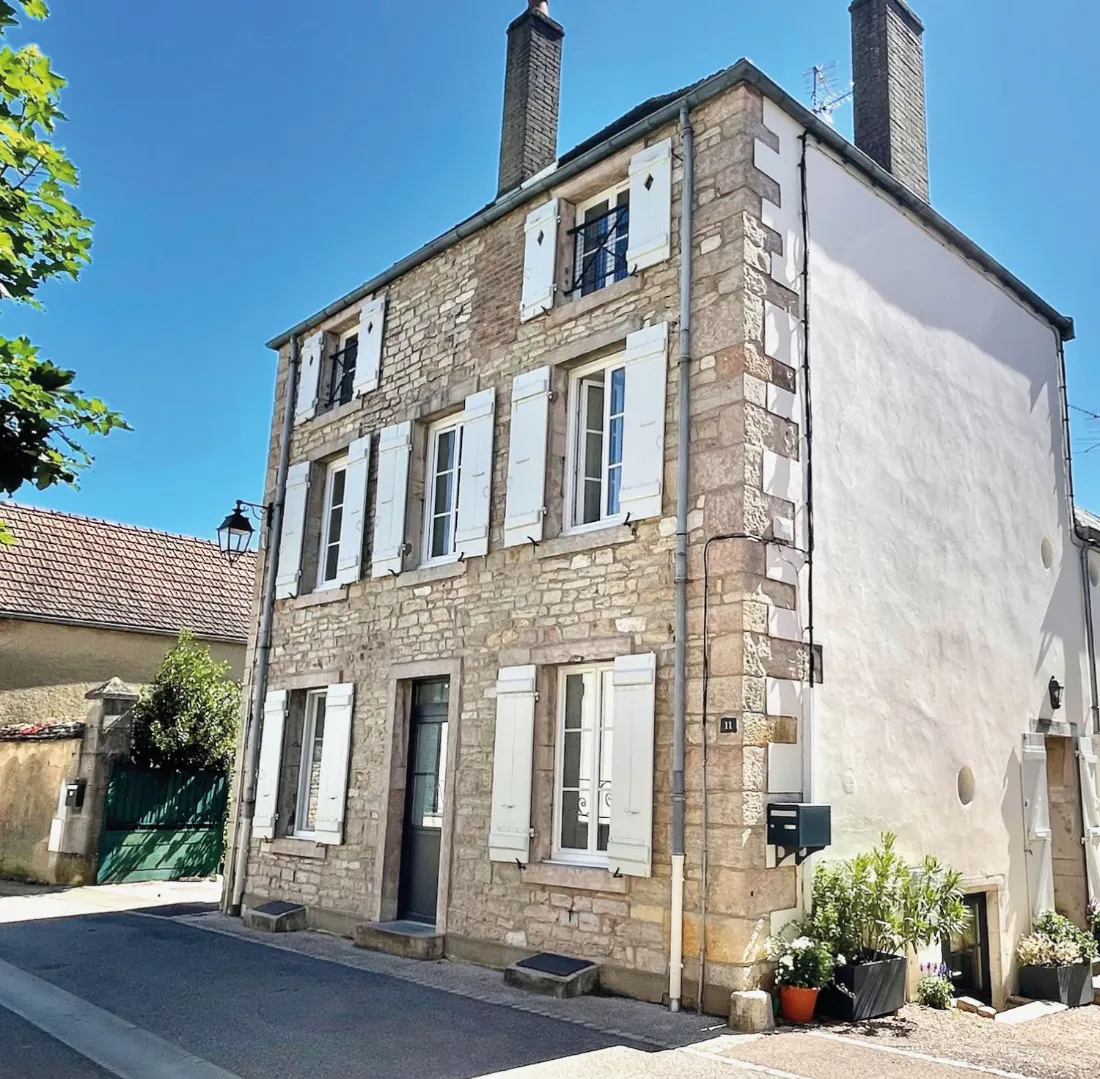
(341, 382)
(600, 242)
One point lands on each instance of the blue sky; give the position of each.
(247, 163)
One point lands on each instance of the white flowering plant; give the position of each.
(1056, 942)
(802, 963)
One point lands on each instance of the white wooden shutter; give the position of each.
(527, 434)
(271, 758)
(294, 524)
(332, 792)
(539, 260)
(1040, 868)
(644, 422)
(476, 475)
(394, 447)
(355, 511)
(1088, 750)
(630, 838)
(510, 824)
(309, 377)
(368, 360)
(650, 239)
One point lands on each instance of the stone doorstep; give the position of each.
(275, 917)
(563, 986)
(1028, 1010)
(410, 940)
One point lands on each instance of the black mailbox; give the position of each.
(796, 826)
(74, 793)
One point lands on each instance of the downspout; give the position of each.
(242, 838)
(679, 699)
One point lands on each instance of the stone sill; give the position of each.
(576, 877)
(431, 573)
(585, 541)
(295, 848)
(322, 419)
(582, 305)
(317, 599)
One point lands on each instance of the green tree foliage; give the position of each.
(188, 719)
(42, 236)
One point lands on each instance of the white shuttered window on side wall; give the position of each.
(332, 792)
(394, 447)
(1037, 838)
(650, 239)
(527, 434)
(294, 524)
(539, 260)
(355, 511)
(368, 362)
(309, 377)
(271, 758)
(630, 840)
(644, 426)
(475, 484)
(513, 746)
(1088, 752)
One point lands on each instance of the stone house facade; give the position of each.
(469, 708)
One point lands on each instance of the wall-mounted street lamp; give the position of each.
(236, 531)
(1055, 689)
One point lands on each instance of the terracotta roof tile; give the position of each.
(80, 569)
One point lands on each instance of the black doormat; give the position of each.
(559, 965)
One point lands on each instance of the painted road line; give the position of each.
(913, 1054)
(123, 1049)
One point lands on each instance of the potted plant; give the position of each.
(803, 966)
(870, 911)
(1056, 961)
(1094, 920)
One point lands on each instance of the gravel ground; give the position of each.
(1062, 1046)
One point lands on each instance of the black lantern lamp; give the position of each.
(235, 534)
(1055, 689)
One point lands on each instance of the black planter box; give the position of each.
(1070, 985)
(866, 990)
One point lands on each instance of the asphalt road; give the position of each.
(262, 1013)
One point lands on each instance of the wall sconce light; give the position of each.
(1055, 688)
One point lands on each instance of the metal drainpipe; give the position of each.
(251, 756)
(679, 700)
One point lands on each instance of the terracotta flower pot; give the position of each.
(797, 1005)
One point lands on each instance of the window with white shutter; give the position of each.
(372, 325)
(332, 523)
(539, 260)
(309, 377)
(357, 468)
(600, 240)
(527, 434)
(271, 755)
(332, 772)
(475, 475)
(388, 548)
(294, 523)
(650, 207)
(630, 839)
(616, 434)
(1037, 836)
(513, 746)
(1088, 750)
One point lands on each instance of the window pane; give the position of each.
(593, 455)
(591, 508)
(574, 831)
(594, 405)
(618, 391)
(338, 481)
(312, 754)
(445, 452)
(441, 536)
(332, 561)
(574, 701)
(443, 486)
(571, 759)
(614, 486)
(431, 692)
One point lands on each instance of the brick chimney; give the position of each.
(532, 89)
(888, 70)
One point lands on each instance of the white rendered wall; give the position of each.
(938, 471)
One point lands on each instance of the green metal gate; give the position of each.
(162, 825)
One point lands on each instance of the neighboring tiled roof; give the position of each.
(70, 569)
(41, 732)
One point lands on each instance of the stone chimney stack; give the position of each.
(532, 89)
(888, 70)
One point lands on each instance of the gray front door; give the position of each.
(424, 780)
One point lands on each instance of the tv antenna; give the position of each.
(825, 98)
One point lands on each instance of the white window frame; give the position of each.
(327, 539)
(609, 195)
(602, 676)
(305, 763)
(456, 424)
(574, 485)
(340, 340)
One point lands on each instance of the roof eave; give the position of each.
(744, 71)
(119, 627)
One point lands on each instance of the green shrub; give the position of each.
(1056, 942)
(935, 991)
